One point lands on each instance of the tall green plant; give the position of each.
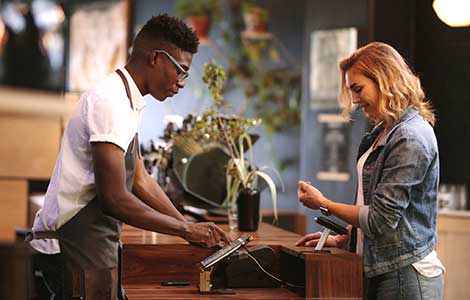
(240, 173)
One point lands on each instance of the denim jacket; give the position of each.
(400, 180)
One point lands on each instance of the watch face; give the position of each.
(324, 211)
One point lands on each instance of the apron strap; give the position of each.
(128, 92)
(39, 235)
(126, 85)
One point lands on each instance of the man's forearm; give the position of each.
(129, 209)
(152, 194)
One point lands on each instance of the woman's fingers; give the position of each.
(311, 240)
(308, 237)
(312, 243)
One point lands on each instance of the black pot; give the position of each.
(248, 209)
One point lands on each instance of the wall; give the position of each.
(439, 55)
(442, 60)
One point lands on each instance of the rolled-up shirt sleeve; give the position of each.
(405, 166)
(364, 219)
(109, 121)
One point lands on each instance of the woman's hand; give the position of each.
(311, 240)
(309, 196)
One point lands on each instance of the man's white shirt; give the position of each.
(103, 114)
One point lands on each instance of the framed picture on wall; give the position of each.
(327, 48)
(336, 132)
(99, 32)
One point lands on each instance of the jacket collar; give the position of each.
(405, 116)
(371, 136)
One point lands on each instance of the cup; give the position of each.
(232, 215)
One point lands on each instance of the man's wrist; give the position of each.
(324, 208)
(184, 233)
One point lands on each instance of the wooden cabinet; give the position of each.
(452, 249)
(333, 274)
(30, 134)
(13, 207)
(28, 146)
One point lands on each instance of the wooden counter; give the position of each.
(149, 258)
(163, 254)
(153, 292)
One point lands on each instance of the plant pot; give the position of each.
(256, 19)
(201, 25)
(248, 209)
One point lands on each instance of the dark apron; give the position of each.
(89, 244)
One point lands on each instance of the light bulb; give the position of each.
(455, 13)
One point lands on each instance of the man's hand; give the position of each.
(206, 234)
(309, 196)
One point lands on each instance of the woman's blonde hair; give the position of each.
(399, 87)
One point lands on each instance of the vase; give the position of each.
(248, 209)
(232, 215)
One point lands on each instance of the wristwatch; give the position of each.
(324, 210)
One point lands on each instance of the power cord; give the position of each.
(39, 274)
(282, 282)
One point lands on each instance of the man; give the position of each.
(99, 179)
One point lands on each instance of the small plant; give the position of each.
(240, 173)
(210, 8)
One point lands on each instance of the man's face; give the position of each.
(169, 71)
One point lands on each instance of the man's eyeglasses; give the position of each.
(182, 73)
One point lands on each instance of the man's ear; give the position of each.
(153, 57)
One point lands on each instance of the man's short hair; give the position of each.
(169, 29)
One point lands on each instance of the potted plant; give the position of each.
(255, 17)
(241, 174)
(199, 15)
(259, 63)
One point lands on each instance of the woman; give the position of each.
(398, 172)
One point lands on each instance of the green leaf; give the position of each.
(272, 188)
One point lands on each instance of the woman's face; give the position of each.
(364, 92)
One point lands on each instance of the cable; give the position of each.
(39, 274)
(282, 282)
